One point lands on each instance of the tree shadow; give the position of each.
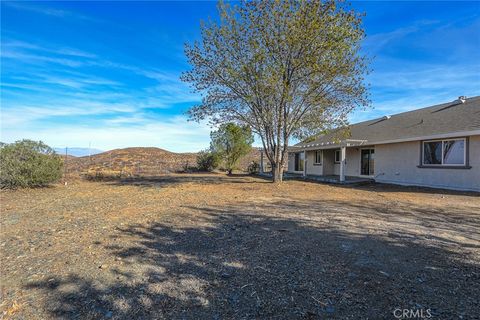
(404, 218)
(200, 178)
(386, 187)
(205, 178)
(266, 261)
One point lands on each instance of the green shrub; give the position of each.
(231, 142)
(28, 163)
(253, 168)
(105, 174)
(207, 160)
(187, 167)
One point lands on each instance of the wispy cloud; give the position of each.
(35, 58)
(17, 44)
(422, 63)
(65, 85)
(419, 86)
(175, 134)
(27, 114)
(425, 77)
(166, 85)
(79, 82)
(42, 8)
(119, 86)
(376, 42)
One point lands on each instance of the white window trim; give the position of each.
(315, 157)
(445, 164)
(335, 156)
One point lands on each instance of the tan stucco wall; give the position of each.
(397, 163)
(313, 168)
(353, 162)
(328, 166)
(352, 167)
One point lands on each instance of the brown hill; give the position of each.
(254, 155)
(139, 162)
(68, 157)
(132, 162)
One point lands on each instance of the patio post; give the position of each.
(261, 161)
(342, 163)
(304, 163)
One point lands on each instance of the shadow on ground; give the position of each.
(267, 261)
(201, 178)
(221, 178)
(386, 187)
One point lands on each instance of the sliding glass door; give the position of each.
(299, 159)
(367, 162)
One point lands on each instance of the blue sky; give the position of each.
(107, 73)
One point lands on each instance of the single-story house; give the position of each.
(437, 146)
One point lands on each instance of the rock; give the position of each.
(330, 309)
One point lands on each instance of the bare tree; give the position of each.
(285, 68)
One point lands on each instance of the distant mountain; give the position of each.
(78, 152)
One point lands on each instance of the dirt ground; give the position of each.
(217, 247)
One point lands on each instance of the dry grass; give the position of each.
(211, 246)
(10, 310)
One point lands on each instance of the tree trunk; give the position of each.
(277, 173)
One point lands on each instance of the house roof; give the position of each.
(440, 121)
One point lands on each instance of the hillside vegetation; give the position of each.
(138, 161)
(27, 163)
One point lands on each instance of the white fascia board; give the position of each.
(431, 137)
(331, 145)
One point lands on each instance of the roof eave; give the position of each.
(357, 143)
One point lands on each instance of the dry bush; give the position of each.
(28, 163)
(208, 160)
(102, 174)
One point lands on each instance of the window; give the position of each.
(337, 156)
(444, 152)
(318, 157)
(454, 152)
(432, 152)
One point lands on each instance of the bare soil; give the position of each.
(217, 247)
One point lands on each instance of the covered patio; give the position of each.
(335, 179)
(327, 161)
(347, 161)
